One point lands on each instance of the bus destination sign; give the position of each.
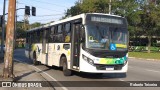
(105, 19)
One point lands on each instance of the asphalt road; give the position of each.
(139, 70)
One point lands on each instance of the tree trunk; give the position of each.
(149, 44)
(8, 59)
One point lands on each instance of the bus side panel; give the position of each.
(55, 52)
(38, 52)
(50, 54)
(53, 57)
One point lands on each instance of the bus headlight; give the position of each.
(125, 62)
(90, 61)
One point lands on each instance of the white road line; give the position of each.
(123, 80)
(64, 88)
(153, 70)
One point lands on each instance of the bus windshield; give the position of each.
(102, 36)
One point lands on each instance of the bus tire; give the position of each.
(66, 71)
(35, 62)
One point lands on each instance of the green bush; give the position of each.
(144, 48)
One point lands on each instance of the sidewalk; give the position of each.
(24, 72)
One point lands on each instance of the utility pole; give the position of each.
(110, 6)
(8, 59)
(3, 27)
(15, 32)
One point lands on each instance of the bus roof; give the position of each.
(69, 19)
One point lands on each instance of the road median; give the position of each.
(154, 56)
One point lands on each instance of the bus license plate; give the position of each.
(110, 68)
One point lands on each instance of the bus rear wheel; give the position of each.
(35, 62)
(66, 71)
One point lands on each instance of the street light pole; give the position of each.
(110, 6)
(3, 27)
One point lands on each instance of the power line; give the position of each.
(46, 15)
(46, 19)
(40, 7)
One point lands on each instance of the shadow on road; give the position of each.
(44, 70)
(100, 76)
(91, 75)
(24, 75)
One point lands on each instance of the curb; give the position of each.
(144, 59)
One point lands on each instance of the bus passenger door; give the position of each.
(75, 52)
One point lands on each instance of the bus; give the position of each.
(90, 42)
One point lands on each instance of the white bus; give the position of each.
(90, 42)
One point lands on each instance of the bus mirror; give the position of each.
(82, 33)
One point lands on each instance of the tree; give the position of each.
(95, 6)
(142, 15)
(74, 10)
(150, 21)
(88, 6)
(20, 30)
(36, 24)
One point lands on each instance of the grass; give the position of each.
(145, 55)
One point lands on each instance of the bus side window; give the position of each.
(60, 34)
(31, 37)
(27, 37)
(35, 37)
(38, 36)
(46, 34)
(67, 34)
(41, 36)
(52, 34)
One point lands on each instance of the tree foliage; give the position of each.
(143, 16)
(20, 30)
(36, 24)
(150, 21)
(22, 26)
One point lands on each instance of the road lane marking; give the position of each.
(146, 69)
(153, 70)
(64, 88)
(123, 80)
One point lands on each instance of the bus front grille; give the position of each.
(103, 67)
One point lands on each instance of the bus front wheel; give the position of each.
(66, 71)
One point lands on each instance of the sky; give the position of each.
(46, 10)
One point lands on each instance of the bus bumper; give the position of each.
(86, 67)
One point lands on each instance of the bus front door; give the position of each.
(75, 53)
